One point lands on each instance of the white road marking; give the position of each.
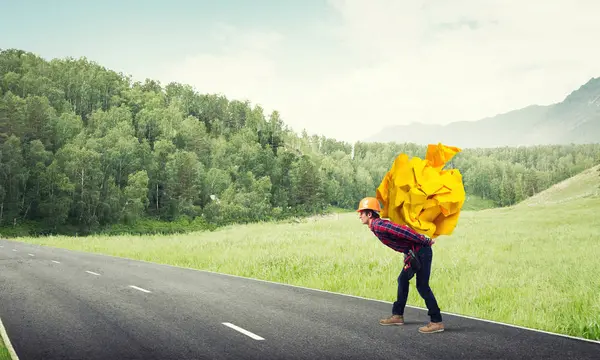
(54, 261)
(30, 254)
(93, 273)
(138, 288)
(243, 331)
(14, 249)
(1, 246)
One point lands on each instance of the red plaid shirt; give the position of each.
(399, 237)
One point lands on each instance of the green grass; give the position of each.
(474, 202)
(4, 354)
(534, 266)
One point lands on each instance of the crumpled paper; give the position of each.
(418, 193)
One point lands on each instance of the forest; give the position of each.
(84, 149)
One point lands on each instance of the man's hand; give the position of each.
(432, 241)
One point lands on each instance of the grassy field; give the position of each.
(4, 354)
(474, 202)
(534, 264)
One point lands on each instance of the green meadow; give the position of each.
(4, 354)
(534, 264)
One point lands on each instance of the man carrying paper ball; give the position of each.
(418, 256)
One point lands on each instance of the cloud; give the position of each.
(241, 65)
(515, 55)
(396, 62)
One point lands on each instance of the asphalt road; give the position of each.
(61, 304)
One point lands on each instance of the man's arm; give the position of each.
(404, 232)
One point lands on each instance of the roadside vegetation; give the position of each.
(4, 354)
(86, 150)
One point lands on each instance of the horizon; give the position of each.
(327, 66)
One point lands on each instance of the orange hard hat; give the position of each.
(369, 203)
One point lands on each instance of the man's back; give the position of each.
(398, 237)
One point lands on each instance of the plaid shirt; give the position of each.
(399, 237)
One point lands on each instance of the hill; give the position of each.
(574, 120)
(583, 185)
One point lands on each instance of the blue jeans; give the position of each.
(425, 255)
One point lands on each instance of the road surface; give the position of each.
(62, 304)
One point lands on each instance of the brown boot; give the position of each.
(393, 320)
(432, 328)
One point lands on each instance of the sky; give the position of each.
(344, 69)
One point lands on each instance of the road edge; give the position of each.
(577, 338)
(7, 342)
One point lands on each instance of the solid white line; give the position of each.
(93, 273)
(4, 336)
(243, 331)
(54, 261)
(138, 288)
(320, 290)
(30, 254)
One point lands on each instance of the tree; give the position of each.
(84, 147)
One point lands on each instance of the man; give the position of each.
(403, 239)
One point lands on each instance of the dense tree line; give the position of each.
(85, 148)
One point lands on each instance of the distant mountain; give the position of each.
(574, 120)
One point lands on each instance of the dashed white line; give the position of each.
(14, 249)
(139, 288)
(243, 331)
(30, 254)
(93, 273)
(1, 246)
(54, 261)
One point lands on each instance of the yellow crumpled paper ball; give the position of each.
(418, 193)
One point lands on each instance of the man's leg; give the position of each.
(403, 287)
(397, 317)
(426, 257)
